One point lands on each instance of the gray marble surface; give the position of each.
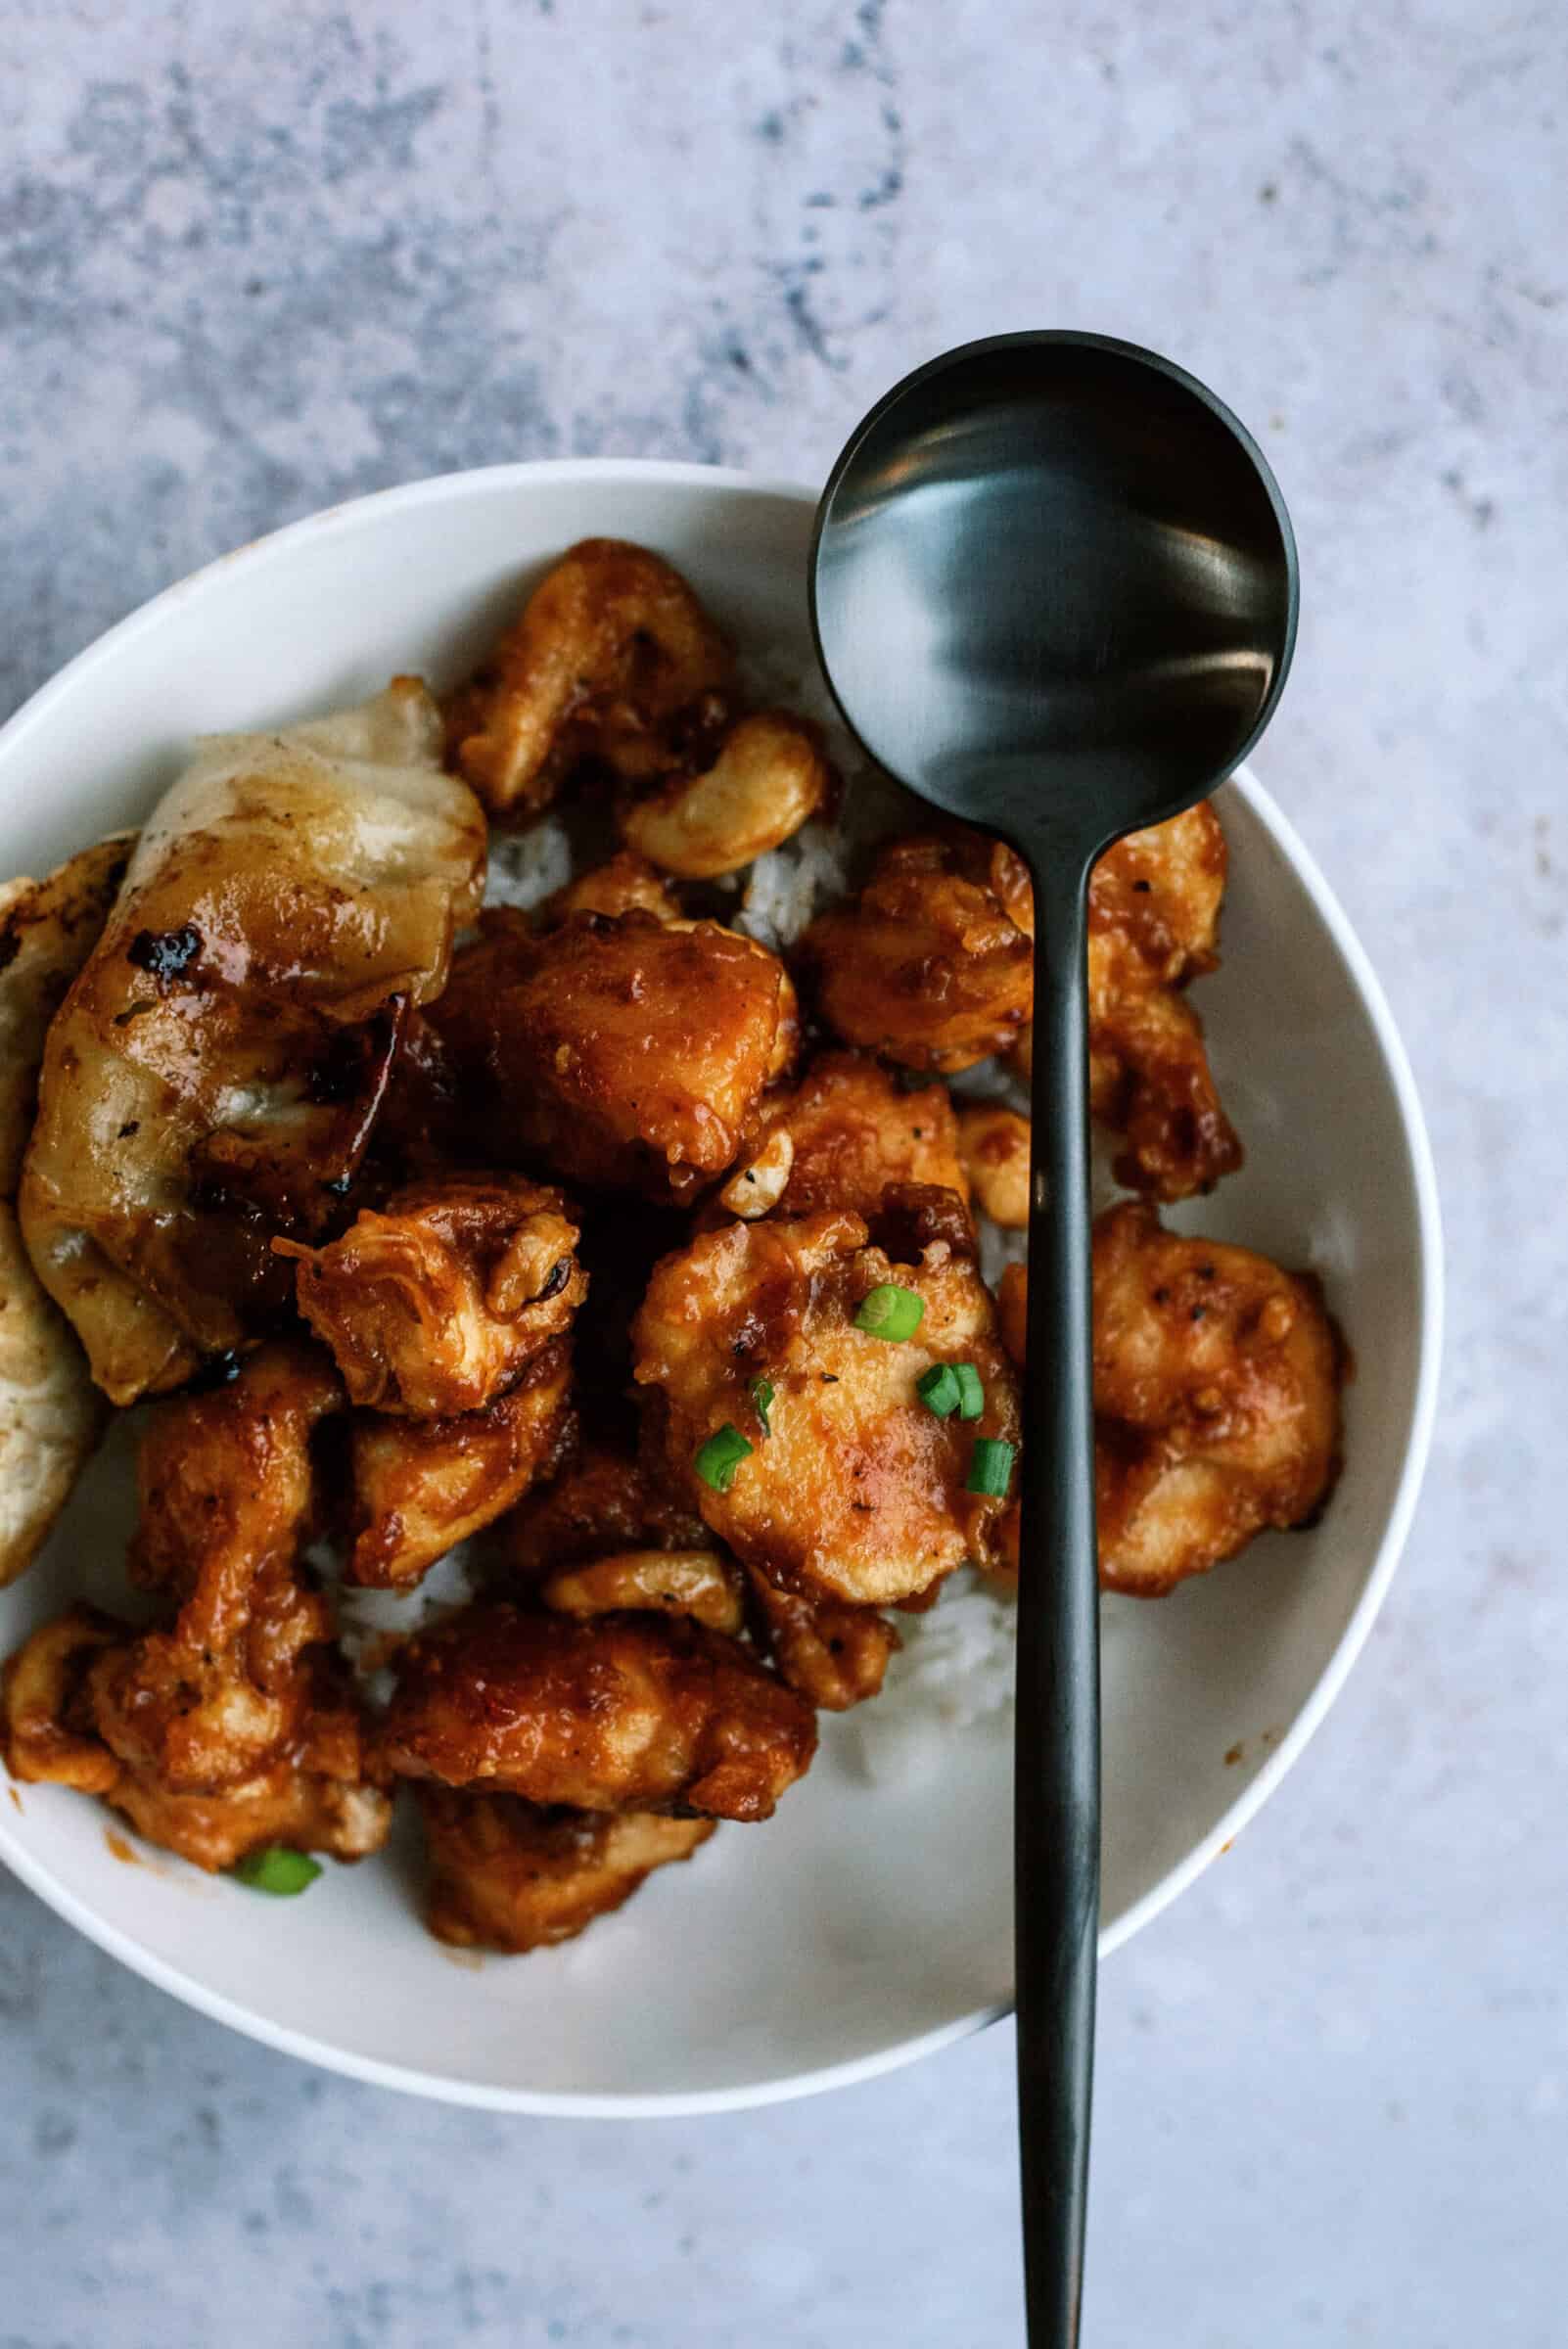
(255, 260)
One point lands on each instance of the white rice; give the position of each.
(530, 865)
(953, 1671)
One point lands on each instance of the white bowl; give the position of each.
(866, 1925)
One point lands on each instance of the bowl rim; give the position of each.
(479, 481)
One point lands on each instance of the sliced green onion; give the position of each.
(762, 1395)
(277, 1869)
(719, 1457)
(939, 1390)
(971, 1394)
(990, 1468)
(891, 1312)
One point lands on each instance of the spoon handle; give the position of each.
(1057, 1752)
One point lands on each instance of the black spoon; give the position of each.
(1054, 591)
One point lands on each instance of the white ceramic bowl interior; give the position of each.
(865, 1924)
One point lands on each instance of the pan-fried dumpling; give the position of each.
(51, 1413)
(214, 1073)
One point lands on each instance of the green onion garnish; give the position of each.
(971, 1394)
(990, 1468)
(939, 1390)
(277, 1869)
(762, 1395)
(891, 1312)
(719, 1457)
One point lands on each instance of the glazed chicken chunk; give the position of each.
(315, 1797)
(505, 1875)
(1153, 924)
(433, 1303)
(933, 965)
(615, 1713)
(624, 1052)
(844, 1134)
(604, 1503)
(418, 1487)
(608, 655)
(228, 1499)
(234, 1726)
(1216, 1397)
(1217, 1385)
(853, 1488)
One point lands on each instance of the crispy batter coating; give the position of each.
(995, 1145)
(1216, 1384)
(1216, 1397)
(46, 1727)
(851, 1133)
(933, 966)
(1153, 924)
(1150, 1081)
(858, 1489)
(216, 1069)
(506, 1875)
(770, 776)
(625, 1052)
(314, 1797)
(435, 1302)
(621, 1712)
(696, 1583)
(605, 1502)
(836, 1656)
(420, 1486)
(623, 884)
(610, 649)
(227, 1486)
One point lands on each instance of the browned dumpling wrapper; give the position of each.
(51, 1414)
(214, 1072)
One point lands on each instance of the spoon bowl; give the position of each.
(1053, 577)
(1054, 592)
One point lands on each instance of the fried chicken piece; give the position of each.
(604, 1503)
(47, 1736)
(433, 1303)
(836, 1656)
(694, 1582)
(624, 884)
(994, 1143)
(610, 650)
(855, 1489)
(315, 1797)
(933, 965)
(420, 1486)
(508, 1875)
(1216, 1399)
(1217, 1389)
(621, 1712)
(850, 1131)
(1150, 1081)
(626, 1052)
(227, 1489)
(1153, 924)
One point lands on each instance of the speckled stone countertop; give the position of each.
(257, 259)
